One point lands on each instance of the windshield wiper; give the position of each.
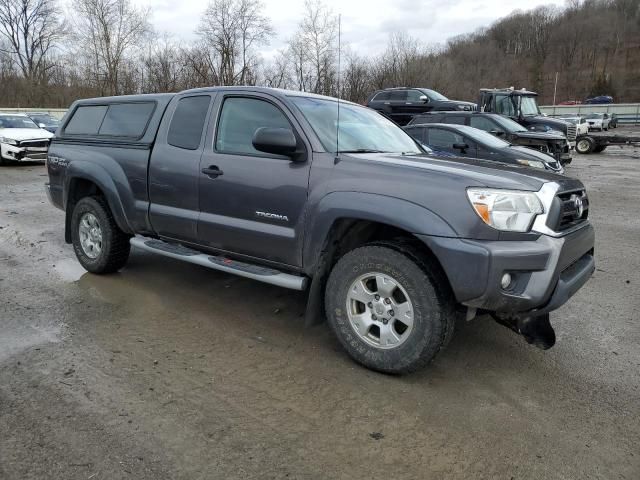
(362, 150)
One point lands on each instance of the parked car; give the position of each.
(45, 121)
(472, 142)
(598, 121)
(600, 99)
(22, 139)
(553, 144)
(570, 102)
(267, 184)
(613, 121)
(582, 126)
(402, 104)
(522, 107)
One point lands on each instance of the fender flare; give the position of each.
(391, 211)
(113, 184)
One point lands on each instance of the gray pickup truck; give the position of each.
(392, 244)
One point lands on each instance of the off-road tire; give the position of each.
(428, 289)
(115, 243)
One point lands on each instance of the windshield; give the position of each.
(16, 121)
(529, 106)
(570, 120)
(361, 129)
(508, 124)
(433, 95)
(483, 137)
(44, 118)
(595, 115)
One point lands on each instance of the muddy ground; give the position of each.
(171, 371)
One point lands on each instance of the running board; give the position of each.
(247, 270)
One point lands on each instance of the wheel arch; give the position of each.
(82, 183)
(334, 234)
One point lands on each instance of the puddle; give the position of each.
(16, 338)
(69, 270)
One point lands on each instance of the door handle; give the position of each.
(212, 171)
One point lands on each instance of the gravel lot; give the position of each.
(168, 370)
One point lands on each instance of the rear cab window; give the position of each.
(187, 123)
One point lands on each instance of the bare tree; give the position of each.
(230, 30)
(107, 30)
(30, 30)
(314, 49)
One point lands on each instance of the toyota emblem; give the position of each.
(577, 203)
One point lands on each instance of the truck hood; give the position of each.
(25, 133)
(453, 104)
(554, 123)
(473, 172)
(545, 136)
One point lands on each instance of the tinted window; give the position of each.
(443, 138)
(504, 105)
(127, 119)
(416, 132)
(239, 120)
(86, 120)
(398, 95)
(188, 121)
(455, 119)
(483, 123)
(414, 96)
(381, 97)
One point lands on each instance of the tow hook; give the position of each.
(535, 330)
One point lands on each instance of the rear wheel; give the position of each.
(585, 145)
(98, 242)
(391, 310)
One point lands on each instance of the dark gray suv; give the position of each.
(402, 104)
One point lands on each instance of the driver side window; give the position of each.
(414, 96)
(483, 124)
(239, 120)
(444, 138)
(504, 105)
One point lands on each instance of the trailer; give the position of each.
(594, 143)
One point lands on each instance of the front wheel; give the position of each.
(391, 309)
(98, 242)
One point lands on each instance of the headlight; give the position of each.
(9, 141)
(531, 163)
(507, 210)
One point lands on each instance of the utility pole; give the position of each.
(555, 89)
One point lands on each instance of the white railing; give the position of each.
(55, 112)
(628, 113)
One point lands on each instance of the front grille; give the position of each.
(571, 132)
(34, 144)
(565, 214)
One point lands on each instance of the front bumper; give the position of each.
(12, 152)
(545, 272)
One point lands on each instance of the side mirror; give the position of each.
(424, 98)
(279, 141)
(497, 133)
(461, 146)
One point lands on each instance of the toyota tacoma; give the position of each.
(310, 193)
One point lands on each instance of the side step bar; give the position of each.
(248, 270)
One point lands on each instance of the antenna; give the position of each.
(339, 71)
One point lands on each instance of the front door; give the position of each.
(447, 140)
(252, 203)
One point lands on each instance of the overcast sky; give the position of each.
(366, 24)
